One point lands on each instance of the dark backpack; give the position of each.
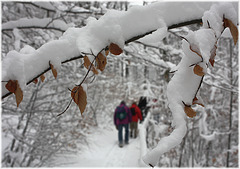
(121, 113)
(133, 111)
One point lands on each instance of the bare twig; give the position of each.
(74, 92)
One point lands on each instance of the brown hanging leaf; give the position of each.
(42, 77)
(35, 81)
(74, 94)
(196, 101)
(198, 70)
(106, 51)
(87, 62)
(115, 49)
(54, 71)
(101, 61)
(94, 70)
(11, 86)
(189, 111)
(19, 95)
(233, 29)
(14, 87)
(79, 97)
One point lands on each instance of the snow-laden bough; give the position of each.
(200, 49)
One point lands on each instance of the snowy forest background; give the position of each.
(32, 134)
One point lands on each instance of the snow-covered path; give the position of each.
(103, 151)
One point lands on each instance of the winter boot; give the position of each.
(120, 145)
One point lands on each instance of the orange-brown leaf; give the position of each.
(115, 49)
(11, 86)
(101, 61)
(35, 81)
(233, 29)
(94, 70)
(54, 71)
(87, 62)
(82, 99)
(14, 87)
(42, 77)
(189, 111)
(106, 51)
(74, 94)
(196, 101)
(198, 70)
(79, 97)
(19, 95)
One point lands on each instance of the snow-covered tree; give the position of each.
(92, 43)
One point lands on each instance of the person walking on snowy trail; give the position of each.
(122, 118)
(136, 114)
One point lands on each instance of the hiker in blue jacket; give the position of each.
(122, 118)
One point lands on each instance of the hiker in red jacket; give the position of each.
(136, 114)
(122, 118)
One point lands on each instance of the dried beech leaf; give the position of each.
(19, 95)
(189, 111)
(196, 101)
(42, 77)
(233, 29)
(106, 52)
(115, 49)
(94, 70)
(35, 81)
(87, 62)
(101, 61)
(79, 97)
(54, 71)
(11, 86)
(14, 87)
(198, 70)
(74, 94)
(82, 99)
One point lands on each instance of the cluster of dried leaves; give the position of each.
(14, 87)
(78, 94)
(199, 71)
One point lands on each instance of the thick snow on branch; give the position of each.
(183, 87)
(36, 23)
(115, 26)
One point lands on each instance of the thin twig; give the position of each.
(74, 92)
(66, 108)
(199, 86)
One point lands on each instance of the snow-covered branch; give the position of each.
(142, 135)
(200, 49)
(45, 23)
(115, 26)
